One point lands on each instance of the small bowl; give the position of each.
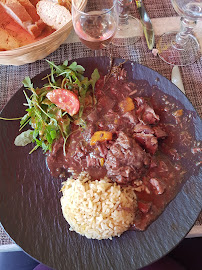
(37, 50)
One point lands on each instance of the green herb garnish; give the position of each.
(49, 121)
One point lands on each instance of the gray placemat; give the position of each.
(155, 9)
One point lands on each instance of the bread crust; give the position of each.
(17, 12)
(7, 42)
(31, 10)
(24, 13)
(34, 2)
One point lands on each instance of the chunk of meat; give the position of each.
(115, 92)
(148, 141)
(131, 116)
(92, 161)
(103, 149)
(92, 116)
(118, 73)
(144, 207)
(57, 146)
(140, 101)
(145, 112)
(143, 128)
(162, 167)
(159, 132)
(157, 185)
(88, 133)
(126, 160)
(105, 104)
(153, 163)
(80, 151)
(112, 120)
(149, 116)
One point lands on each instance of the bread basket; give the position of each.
(37, 50)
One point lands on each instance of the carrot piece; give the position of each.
(100, 136)
(127, 105)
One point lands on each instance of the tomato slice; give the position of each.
(65, 100)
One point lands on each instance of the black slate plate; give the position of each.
(30, 208)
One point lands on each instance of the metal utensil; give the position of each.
(146, 23)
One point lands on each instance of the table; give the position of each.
(11, 77)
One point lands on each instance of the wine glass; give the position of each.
(95, 21)
(182, 48)
(129, 27)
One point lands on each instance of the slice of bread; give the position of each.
(7, 42)
(24, 13)
(53, 14)
(31, 10)
(65, 3)
(36, 28)
(17, 12)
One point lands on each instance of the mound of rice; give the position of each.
(97, 209)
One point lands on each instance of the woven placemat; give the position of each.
(155, 9)
(11, 77)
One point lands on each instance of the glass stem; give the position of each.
(123, 6)
(186, 29)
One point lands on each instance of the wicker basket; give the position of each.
(37, 50)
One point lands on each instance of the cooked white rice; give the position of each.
(97, 209)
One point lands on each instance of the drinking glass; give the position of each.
(95, 21)
(182, 48)
(129, 27)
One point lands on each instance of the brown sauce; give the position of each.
(149, 148)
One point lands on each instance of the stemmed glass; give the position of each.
(182, 48)
(95, 21)
(128, 26)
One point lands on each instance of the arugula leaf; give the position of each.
(27, 82)
(52, 75)
(35, 134)
(77, 68)
(58, 69)
(94, 77)
(65, 63)
(24, 119)
(24, 138)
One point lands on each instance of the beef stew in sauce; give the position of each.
(135, 137)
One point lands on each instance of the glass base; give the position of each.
(128, 34)
(173, 54)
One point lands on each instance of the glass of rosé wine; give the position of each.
(95, 21)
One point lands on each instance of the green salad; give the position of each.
(52, 108)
